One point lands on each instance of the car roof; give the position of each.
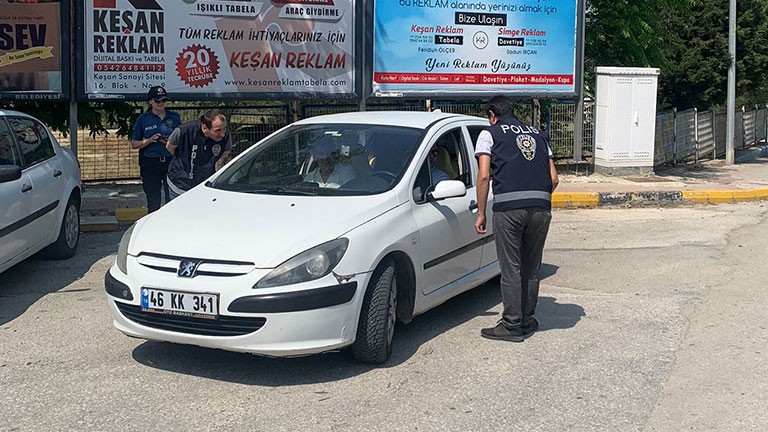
(13, 113)
(413, 119)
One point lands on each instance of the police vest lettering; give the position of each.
(519, 166)
(196, 156)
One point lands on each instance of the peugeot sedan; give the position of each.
(40, 190)
(319, 237)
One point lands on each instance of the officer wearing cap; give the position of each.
(150, 134)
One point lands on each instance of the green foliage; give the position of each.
(627, 33)
(697, 73)
(688, 41)
(751, 52)
(96, 117)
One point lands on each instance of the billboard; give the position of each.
(525, 48)
(32, 58)
(203, 49)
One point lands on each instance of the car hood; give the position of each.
(263, 229)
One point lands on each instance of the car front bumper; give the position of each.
(317, 317)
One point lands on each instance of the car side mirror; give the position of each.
(9, 173)
(447, 189)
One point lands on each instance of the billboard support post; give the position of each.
(578, 119)
(73, 126)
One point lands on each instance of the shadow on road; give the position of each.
(275, 372)
(547, 270)
(22, 285)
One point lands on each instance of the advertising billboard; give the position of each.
(32, 58)
(526, 48)
(218, 49)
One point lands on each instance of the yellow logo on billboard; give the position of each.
(27, 54)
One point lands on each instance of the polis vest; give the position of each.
(196, 156)
(519, 166)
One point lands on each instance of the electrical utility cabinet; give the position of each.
(625, 120)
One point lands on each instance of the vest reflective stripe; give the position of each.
(177, 190)
(522, 195)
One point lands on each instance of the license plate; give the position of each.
(198, 305)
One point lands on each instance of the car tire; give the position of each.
(376, 328)
(69, 234)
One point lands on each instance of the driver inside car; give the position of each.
(328, 173)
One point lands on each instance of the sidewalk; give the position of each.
(710, 182)
(105, 207)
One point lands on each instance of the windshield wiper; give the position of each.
(277, 190)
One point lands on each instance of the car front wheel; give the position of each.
(69, 234)
(376, 328)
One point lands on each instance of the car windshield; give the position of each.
(327, 159)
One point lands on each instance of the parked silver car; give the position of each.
(40, 192)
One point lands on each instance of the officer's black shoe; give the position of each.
(502, 333)
(531, 327)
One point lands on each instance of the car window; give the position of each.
(474, 132)
(33, 140)
(333, 159)
(453, 159)
(447, 159)
(8, 153)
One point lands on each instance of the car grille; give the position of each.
(205, 267)
(223, 326)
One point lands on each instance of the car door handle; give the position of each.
(56, 173)
(26, 188)
(473, 206)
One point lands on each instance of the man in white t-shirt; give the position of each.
(328, 173)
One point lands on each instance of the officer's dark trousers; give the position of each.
(154, 172)
(520, 235)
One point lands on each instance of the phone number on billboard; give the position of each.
(121, 67)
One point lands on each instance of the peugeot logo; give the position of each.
(188, 268)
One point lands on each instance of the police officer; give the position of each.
(197, 146)
(150, 134)
(518, 159)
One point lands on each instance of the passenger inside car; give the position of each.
(328, 172)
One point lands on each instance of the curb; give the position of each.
(98, 223)
(129, 215)
(123, 216)
(565, 200)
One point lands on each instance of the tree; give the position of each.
(751, 52)
(96, 117)
(627, 33)
(697, 72)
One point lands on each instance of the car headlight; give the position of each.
(122, 251)
(306, 266)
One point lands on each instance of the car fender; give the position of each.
(369, 243)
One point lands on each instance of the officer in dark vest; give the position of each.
(518, 159)
(197, 146)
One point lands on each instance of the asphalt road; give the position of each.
(651, 319)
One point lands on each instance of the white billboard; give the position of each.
(214, 48)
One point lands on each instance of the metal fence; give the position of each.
(559, 128)
(691, 136)
(681, 136)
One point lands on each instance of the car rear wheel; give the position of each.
(69, 234)
(376, 328)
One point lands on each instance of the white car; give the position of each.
(40, 192)
(259, 260)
